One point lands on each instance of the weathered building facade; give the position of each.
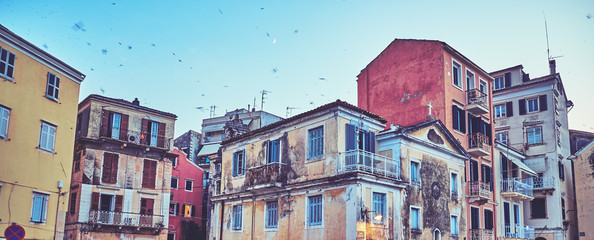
(412, 79)
(121, 171)
(584, 192)
(189, 143)
(531, 117)
(38, 102)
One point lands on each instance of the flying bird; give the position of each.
(221, 12)
(323, 79)
(104, 51)
(79, 26)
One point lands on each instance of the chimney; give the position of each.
(552, 66)
(136, 102)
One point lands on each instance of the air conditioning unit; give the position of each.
(133, 137)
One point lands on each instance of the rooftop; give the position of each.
(126, 103)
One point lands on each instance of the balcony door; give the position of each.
(106, 207)
(146, 212)
(475, 220)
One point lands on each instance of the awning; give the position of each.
(523, 166)
(209, 149)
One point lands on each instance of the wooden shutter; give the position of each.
(350, 140)
(463, 120)
(114, 168)
(144, 133)
(491, 179)
(234, 164)
(522, 106)
(509, 109)
(148, 173)
(542, 102)
(507, 80)
(124, 128)
(371, 141)
(107, 164)
(118, 203)
(455, 117)
(104, 124)
(161, 135)
(193, 212)
(150, 203)
(95, 201)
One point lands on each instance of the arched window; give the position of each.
(540, 238)
(436, 234)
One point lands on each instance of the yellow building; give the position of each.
(38, 107)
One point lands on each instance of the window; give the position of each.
(499, 83)
(474, 171)
(454, 225)
(146, 207)
(72, 203)
(538, 208)
(483, 86)
(469, 80)
(454, 184)
(238, 163)
(456, 74)
(563, 208)
(205, 180)
(39, 207)
(534, 135)
(502, 137)
(110, 168)
(459, 119)
(6, 63)
(53, 86)
(153, 133)
(272, 214)
(154, 129)
(47, 137)
(237, 217)
(315, 147)
(487, 175)
(314, 213)
(358, 138)
(475, 221)
(116, 120)
(189, 183)
(78, 156)
(415, 173)
(4, 119)
(379, 206)
(148, 174)
(561, 171)
(500, 111)
(174, 162)
(170, 236)
(189, 210)
(488, 215)
(174, 182)
(415, 215)
(114, 125)
(532, 105)
(173, 208)
(273, 152)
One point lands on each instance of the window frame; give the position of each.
(529, 132)
(55, 94)
(500, 110)
(268, 213)
(460, 125)
(375, 204)
(7, 64)
(318, 140)
(43, 208)
(466, 73)
(496, 81)
(535, 100)
(544, 199)
(191, 185)
(112, 175)
(454, 186)
(176, 182)
(236, 171)
(502, 133)
(175, 208)
(48, 137)
(4, 121)
(491, 222)
(273, 151)
(455, 231)
(419, 216)
(484, 85)
(308, 210)
(237, 210)
(417, 172)
(456, 64)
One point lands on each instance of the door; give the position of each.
(106, 205)
(146, 212)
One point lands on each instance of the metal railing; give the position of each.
(141, 138)
(480, 234)
(518, 231)
(479, 140)
(540, 183)
(475, 96)
(363, 161)
(266, 174)
(522, 186)
(480, 189)
(125, 219)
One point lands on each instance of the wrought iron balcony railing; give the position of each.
(480, 142)
(124, 219)
(479, 189)
(271, 173)
(477, 102)
(480, 234)
(518, 231)
(363, 161)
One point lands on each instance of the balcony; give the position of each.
(478, 145)
(367, 162)
(479, 191)
(477, 102)
(519, 232)
(139, 138)
(544, 183)
(269, 175)
(126, 220)
(517, 189)
(480, 234)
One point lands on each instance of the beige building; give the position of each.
(329, 174)
(531, 116)
(38, 102)
(584, 187)
(122, 171)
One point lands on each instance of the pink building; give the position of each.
(185, 208)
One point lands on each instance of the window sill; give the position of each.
(315, 226)
(51, 98)
(534, 144)
(46, 150)
(416, 230)
(271, 229)
(459, 132)
(311, 160)
(458, 87)
(7, 78)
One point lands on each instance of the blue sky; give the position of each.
(185, 56)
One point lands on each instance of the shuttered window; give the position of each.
(53, 87)
(357, 138)
(149, 173)
(415, 214)
(237, 217)
(314, 213)
(39, 208)
(273, 152)
(454, 225)
(47, 136)
(4, 119)
(458, 119)
(315, 147)
(272, 214)
(238, 163)
(110, 168)
(72, 203)
(488, 215)
(6, 63)
(379, 206)
(538, 208)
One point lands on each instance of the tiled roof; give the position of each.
(126, 103)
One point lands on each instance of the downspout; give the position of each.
(289, 220)
(253, 214)
(221, 217)
(57, 208)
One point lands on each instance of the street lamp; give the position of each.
(378, 217)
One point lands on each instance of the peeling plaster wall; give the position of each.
(584, 188)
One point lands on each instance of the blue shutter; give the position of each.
(235, 164)
(37, 211)
(371, 136)
(350, 139)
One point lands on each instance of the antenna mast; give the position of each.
(547, 35)
(264, 92)
(212, 110)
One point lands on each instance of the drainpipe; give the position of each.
(253, 213)
(60, 185)
(221, 216)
